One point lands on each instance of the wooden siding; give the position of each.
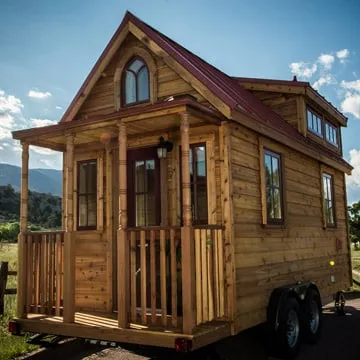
(267, 257)
(283, 104)
(101, 98)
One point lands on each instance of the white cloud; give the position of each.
(351, 85)
(10, 103)
(342, 55)
(326, 60)
(58, 107)
(323, 80)
(6, 120)
(4, 133)
(351, 104)
(39, 94)
(354, 179)
(302, 69)
(42, 122)
(42, 151)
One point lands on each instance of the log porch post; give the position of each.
(69, 236)
(187, 244)
(22, 260)
(123, 246)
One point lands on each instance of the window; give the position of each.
(198, 183)
(329, 212)
(331, 134)
(314, 123)
(273, 187)
(136, 82)
(87, 190)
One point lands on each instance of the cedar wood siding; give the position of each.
(283, 104)
(101, 99)
(93, 248)
(266, 258)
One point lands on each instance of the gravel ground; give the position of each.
(339, 341)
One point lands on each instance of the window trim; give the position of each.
(266, 145)
(313, 112)
(78, 163)
(127, 55)
(193, 145)
(325, 173)
(123, 82)
(331, 126)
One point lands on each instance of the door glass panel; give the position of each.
(200, 161)
(145, 194)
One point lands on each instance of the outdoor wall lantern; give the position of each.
(163, 148)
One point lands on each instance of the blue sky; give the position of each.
(47, 49)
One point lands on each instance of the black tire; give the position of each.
(311, 316)
(287, 336)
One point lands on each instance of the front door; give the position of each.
(143, 197)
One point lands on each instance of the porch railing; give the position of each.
(209, 273)
(156, 279)
(44, 252)
(155, 275)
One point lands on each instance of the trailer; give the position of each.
(195, 205)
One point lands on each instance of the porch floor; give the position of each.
(104, 326)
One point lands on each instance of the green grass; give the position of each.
(10, 346)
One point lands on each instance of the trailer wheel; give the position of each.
(288, 333)
(340, 303)
(311, 316)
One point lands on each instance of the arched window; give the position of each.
(136, 82)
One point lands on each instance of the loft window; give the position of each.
(273, 187)
(329, 211)
(314, 122)
(331, 134)
(87, 189)
(136, 82)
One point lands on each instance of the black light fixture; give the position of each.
(163, 148)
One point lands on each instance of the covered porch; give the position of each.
(172, 276)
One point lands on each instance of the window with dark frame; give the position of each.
(273, 187)
(331, 134)
(314, 122)
(198, 183)
(329, 210)
(87, 194)
(135, 82)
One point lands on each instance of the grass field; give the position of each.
(10, 346)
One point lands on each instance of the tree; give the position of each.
(354, 221)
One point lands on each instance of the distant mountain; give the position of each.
(40, 180)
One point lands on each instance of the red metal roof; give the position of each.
(226, 88)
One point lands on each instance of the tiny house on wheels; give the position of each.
(195, 204)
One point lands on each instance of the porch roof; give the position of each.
(159, 117)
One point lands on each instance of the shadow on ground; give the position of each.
(339, 341)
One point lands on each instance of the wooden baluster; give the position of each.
(143, 275)
(204, 275)
(153, 276)
(199, 305)
(58, 274)
(133, 275)
(163, 277)
(37, 251)
(221, 273)
(216, 272)
(30, 274)
(173, 272)
(210, 276)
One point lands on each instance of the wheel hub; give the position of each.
(292, 328)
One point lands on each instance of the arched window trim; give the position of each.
(126, 57)
(123, 82)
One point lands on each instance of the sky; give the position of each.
(47, 48)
